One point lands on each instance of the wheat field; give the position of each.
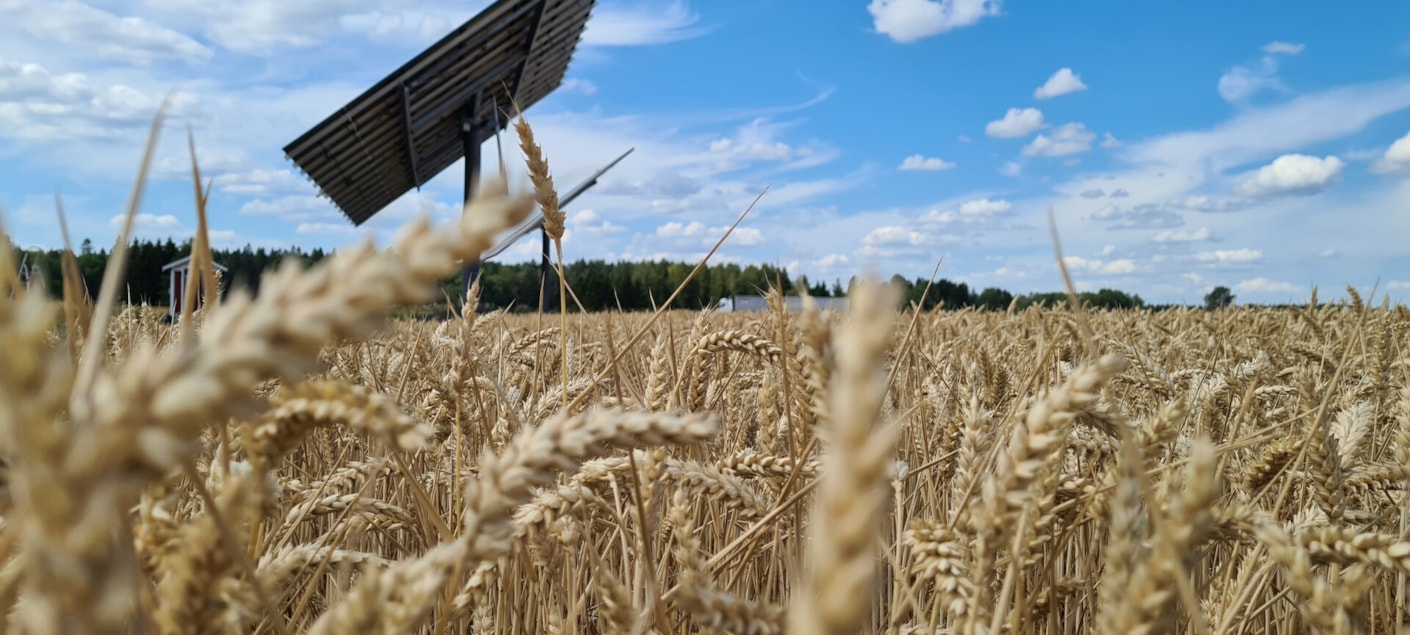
(297, 462)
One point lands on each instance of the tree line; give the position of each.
(596, 285)
(145, 282)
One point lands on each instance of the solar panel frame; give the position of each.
(406, 129)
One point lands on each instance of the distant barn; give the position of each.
(179, 270)
(794, 303)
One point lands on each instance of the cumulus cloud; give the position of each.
(1398, 285)
(892, 235)
(986, 207)
(1293, 174)
(1011, 169)
(741, 236)
(588, 221)
(676, 229)
(1144, 216)
(1284, 48)
(760, 140)
(1017, 122)
(1109, 141)
(1244, 81)
(36, 105)
(1175, 236)
(911, 20)
(1264, 285)
(129, 39)
(255, 182)
(1123, 265)
(1095, 265)
(1067, 139)
(1203, 203)
(1395, 159)
(262, 27)
(917, 162)
(315, 229)
(1062, 82)
(1230, 256)
(148, 222)
(578, 85)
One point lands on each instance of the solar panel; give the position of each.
(406, 129)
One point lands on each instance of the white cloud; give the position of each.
(1230, 256)
(910, 20)
(760, 140)
(1264, 285)
(1095, 265)
(261, 27)
(1067, 139)
(256, 182)
(129, 39)
(292, 208)
(1241, 82)
(148, 222)
(1017, 122)
(1108, 250)
(1062, 82)
(38, 106)
(578, 85)
(1178, 236)
(642, 24)
(1011, 169)
(1284, 48)
(676, 229)
(740, 237)
(588, 221)
(1109, 141)
(931, 164)
(323, 228)
(1120, 266)
(892, 235)
(1293, 174)
(1396, 157)
(1203, 203)
(986, 207)
(1398, 285)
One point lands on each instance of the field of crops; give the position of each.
(295, 463)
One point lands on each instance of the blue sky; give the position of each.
(1264, 146)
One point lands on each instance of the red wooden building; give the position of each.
(179, 270)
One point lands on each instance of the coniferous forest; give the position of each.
(596, 285)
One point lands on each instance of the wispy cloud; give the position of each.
(644, 23)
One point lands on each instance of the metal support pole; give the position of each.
(471, 136)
